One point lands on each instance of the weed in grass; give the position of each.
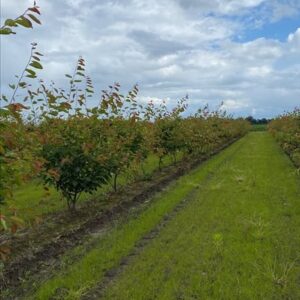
(216, 186)
(218, 242)
(256, 227)
(277, 272)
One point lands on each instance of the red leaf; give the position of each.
(34, 9)
(17, 107)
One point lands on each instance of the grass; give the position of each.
(238, 239)
(259, 127)
(31, 201)
(76, 279)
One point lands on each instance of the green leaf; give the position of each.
(36, 65)
(24, 22)
(10, 23)
(31, 72)
(4, 112)
(67, 75)
(22, 84)
(4, 98)
(12, 86)
(35, 19)
(53, 113)
(6, 31)
(17, 220)
(3, 223)
(31, 76)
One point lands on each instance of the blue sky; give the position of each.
(278, 30)
(245, 53)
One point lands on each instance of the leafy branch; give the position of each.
(33, 62)
(30, 15)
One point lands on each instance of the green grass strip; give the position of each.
(239, 238)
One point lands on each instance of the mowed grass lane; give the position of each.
(239, 238)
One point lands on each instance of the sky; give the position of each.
(244, 53)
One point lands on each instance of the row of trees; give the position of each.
(77, 148)
(56, 135)
(286, 130)
(254, 121)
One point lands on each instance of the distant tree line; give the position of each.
(254, 121)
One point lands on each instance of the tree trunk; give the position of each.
(69, 204)
(143, 168)
(71, 201)
(159, 163)
(174, 158)
(115, 182)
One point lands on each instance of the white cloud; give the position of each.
(294, 39)
(234, 6)
(262, 71)
(234, 104)
(154, 100)
(285, 8)
(170, 70)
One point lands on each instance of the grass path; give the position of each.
(237, 236)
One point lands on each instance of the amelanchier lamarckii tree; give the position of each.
(286, 130)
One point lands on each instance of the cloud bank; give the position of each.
(170, 48)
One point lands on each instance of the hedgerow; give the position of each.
(286, 130)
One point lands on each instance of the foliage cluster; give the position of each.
(286, 130)
(254, 121)
(77, 149)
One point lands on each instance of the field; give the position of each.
(259, 127)
(229, 229)
(165, 190)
